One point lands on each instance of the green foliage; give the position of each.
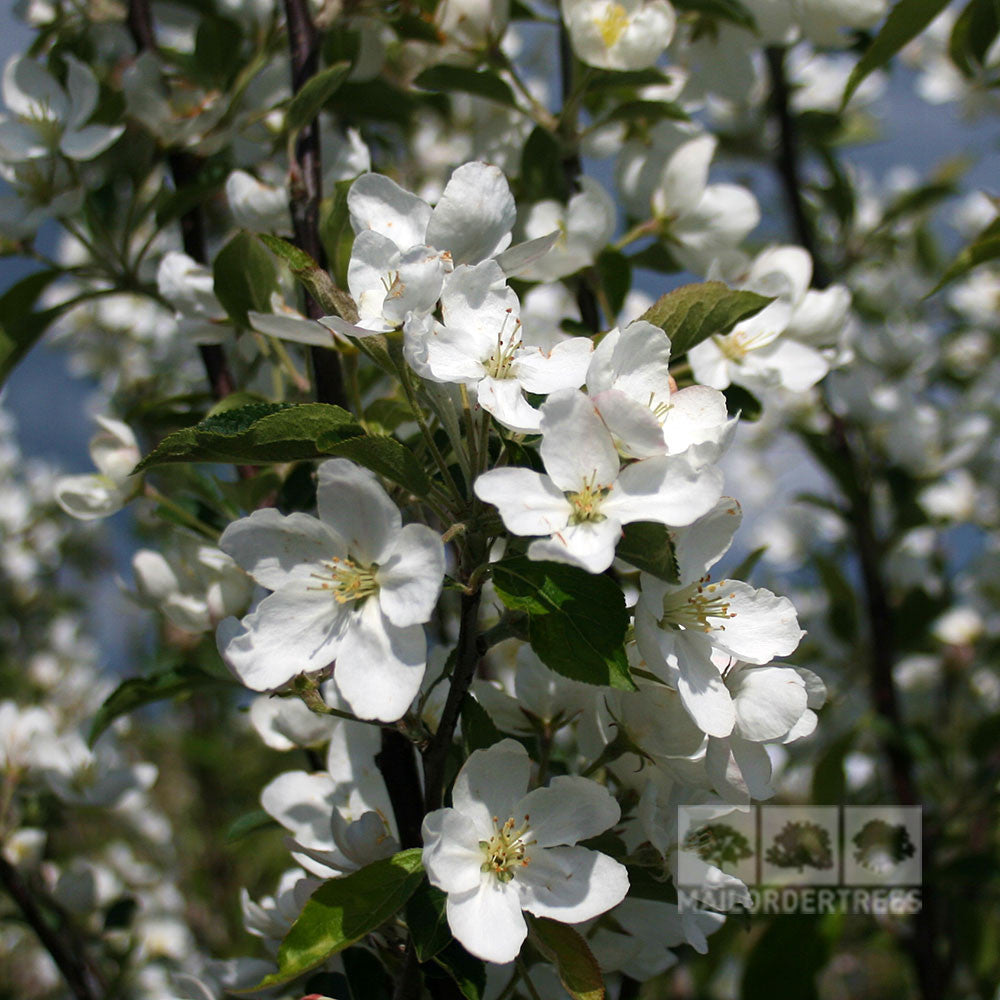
(309, 101)
(138, 691)
(568, 951)
(542, 173)
(718, 844)
(250, 822)
(648, 546)
(427, 921)
(986, 246)
(245, 277)
(972, 36)
(478, 729)
(342, 911)
(258, 433)
(384, 455)
(450, 79)
(905, 21)
(20, 324)
(312, 277)
(576, 620)
(693, 313)
(465, 971)
(791, 951)
(727, 10)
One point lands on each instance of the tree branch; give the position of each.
(307, 191)
(397, 764)
(83, 979)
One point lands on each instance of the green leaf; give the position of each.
(468, 973)
(312, 277)
(742, 401)
(986, 246)
(728, 10)
(20, 326)
(428, 922)
(366, 977)
(478, 729)
(258, 434)
(249, 822)
(384, 455)
(245, 277)
(648, 546)
(972, 35)
(217, 50)
(462, 79)
(647, 111)
(576, 620)
(692, 313)
(574, 961)
(342, 911)
(335, 231)
(746, 566)
(786, 960)
(905, 21)
(317, 90)
(542, 174)
(616, 277)
(138, 691)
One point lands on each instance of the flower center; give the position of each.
(612, 23)
(587, 503)
(506, 849)
(693, 606)
(347, 580)
(499, 363)
(738, 344)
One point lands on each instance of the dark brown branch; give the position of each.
(467, 658)
(397, 764)
(788, 165)
(83, 979)
(307, 191)
(185, 167)
(590, 314)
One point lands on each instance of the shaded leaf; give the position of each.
(986, 246)
(138, 691)
(467, 972)
(427, 921)
(366, 977)
(312, 277)
(905, 21)
(245, 277)
(692, 313)
(342, 911)
(478, 729)
(742, 401)
(257, 433)
(20, 326)
(384, 455)
(649, 547)
(648, 111)
(462, 79)
(568, 951)
(576, 620)
(317, 90)
(249, 822)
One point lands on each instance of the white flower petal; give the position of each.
(88, 142)
(570, 809)
(761, 625)
(769, 701)
(701, 545)
(452, 856)
(701, 687)
(410, 576)
(570, 884)
(475, 214)
(666, 489)
(491, 783)
(351, 501)
(375, 202)
(488, 920)
(379, 665)
(504, 398)
(528, 502)
(576, 447)
(562, 367)
(589, 545)
(276, 549)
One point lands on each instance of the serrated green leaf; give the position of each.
(245, 277)
(138, 691)
(428, 922)
(461, 79)
(568, 951)
(342, 911)
(249, 822)
(467, 972)
(20, 326)
(259, 433)
(905, 21)
(312, 277)
(692, 313)
(317, 90)
(649, 547)
(576, 620)
(384, 455)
